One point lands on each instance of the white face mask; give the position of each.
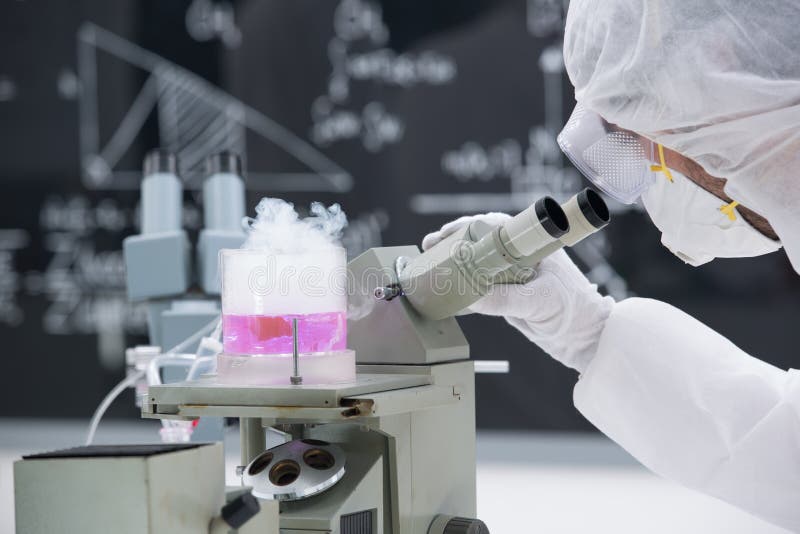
(695, 229)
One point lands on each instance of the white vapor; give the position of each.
(278, 228)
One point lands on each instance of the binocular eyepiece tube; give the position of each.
(543, 222)
(587, 213)
(462, 268)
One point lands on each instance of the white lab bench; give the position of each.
(550, 483)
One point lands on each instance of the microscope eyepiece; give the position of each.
(160, 160)
(593, 208)
(226, 161)
(505, 254)
(551, 216)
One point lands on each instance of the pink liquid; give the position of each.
(272, 334)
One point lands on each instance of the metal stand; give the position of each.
(253, 438)
(295, 379)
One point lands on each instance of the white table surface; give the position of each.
(527, 482)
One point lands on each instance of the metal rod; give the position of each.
(253, 438)
(296, 379)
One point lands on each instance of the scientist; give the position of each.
(694, 107)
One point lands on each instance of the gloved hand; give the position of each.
(559, 309)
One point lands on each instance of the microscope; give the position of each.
(390, 452)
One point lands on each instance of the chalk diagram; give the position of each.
(207, 20)
(12, 240)
(195, 118)
(358, 54)
(83, 285)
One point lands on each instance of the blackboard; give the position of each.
(407, 113)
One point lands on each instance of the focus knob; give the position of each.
(240, 510)
(457, 525)
(464, 525)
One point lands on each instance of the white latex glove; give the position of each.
(559, 309)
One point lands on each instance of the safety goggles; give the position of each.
(617, 161)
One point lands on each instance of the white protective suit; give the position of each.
(719, 82)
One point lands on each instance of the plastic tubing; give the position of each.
(126, 382)
(101, 409)
(173, 356)
(207, 352)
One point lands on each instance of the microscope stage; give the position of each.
(378, 390)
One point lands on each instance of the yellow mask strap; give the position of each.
(663, 167)
(730, 210)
